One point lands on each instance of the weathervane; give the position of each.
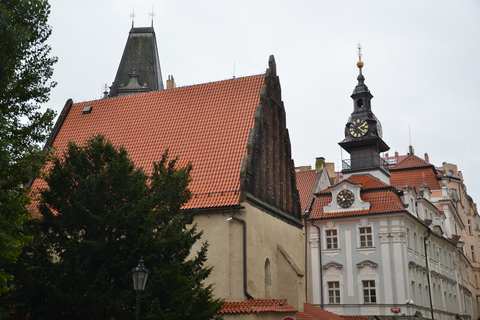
(132, 15)
(151, 14)
(359, 51)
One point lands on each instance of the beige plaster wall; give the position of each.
(264, 233)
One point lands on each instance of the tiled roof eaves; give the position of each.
(258, 305)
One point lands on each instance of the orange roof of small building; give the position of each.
(414, 171)
(412, 161)
(414, 178)
(382, 197)
(256, 306)
(207, 125)
(305, 184)
(356, 317)
(312, 312)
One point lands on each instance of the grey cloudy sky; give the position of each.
(421, 63)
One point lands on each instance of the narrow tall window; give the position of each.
(472, 249)
(334, 292)
(332, 239)
(366, 238)
(469, 226)
(369, 292)
(268, 279)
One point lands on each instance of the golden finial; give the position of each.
(359, 51)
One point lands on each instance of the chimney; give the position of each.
(171, 82)
(426, 157)
(410, 150)
(396, 153)
(319, 164)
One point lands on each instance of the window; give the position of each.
(366, 238)
(472, 249)
(332, 239)
(333, 292)
(469, 226)
(369, 292)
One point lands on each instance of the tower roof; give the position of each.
(140, 60)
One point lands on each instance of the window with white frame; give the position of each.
(333, 292)
(369, 291)
(366, 237)
(331, 238)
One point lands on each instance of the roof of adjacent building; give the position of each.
(382, 197)
(305, 184)
(311, 312)
(258, 305)
(207, 124)
(414, 171)
(140, 56)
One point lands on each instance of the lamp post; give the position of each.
(140, 275)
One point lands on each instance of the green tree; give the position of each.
(25, 70)
(100, 215)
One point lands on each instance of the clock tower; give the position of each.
(363, 135)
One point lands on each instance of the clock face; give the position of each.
(358, 128)
(345, 198)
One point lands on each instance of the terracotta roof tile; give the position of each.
(312, 312)
(414, 178)
(305, 184)
(412, 161)
(368, 181)
(356, 317)
(256, 306)
(207, 125)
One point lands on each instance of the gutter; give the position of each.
(320, 267)
(245, 291)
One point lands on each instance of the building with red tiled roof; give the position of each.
(371, 244)
(243, 181)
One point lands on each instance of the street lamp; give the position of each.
(140, 275)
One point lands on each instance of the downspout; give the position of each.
(244, 255)
(320, 263)
(306, 255)
(428, 272)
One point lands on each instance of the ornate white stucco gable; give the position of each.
(358, 203)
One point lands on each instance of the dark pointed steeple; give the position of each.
(363, 134)
(140, 58)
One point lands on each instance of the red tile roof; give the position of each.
(305, 184)
(382, 197)
(356, 317)
(412, 161)
(312, 312)
(415, 178)
(207, 125)
(256, 306)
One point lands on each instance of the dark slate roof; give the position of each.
(140, 57)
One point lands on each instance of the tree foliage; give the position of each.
(25, 70)
(100, 215)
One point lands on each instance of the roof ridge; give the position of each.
(404, 165)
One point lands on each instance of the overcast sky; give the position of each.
(421, 63)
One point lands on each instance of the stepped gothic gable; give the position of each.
(268, 171)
